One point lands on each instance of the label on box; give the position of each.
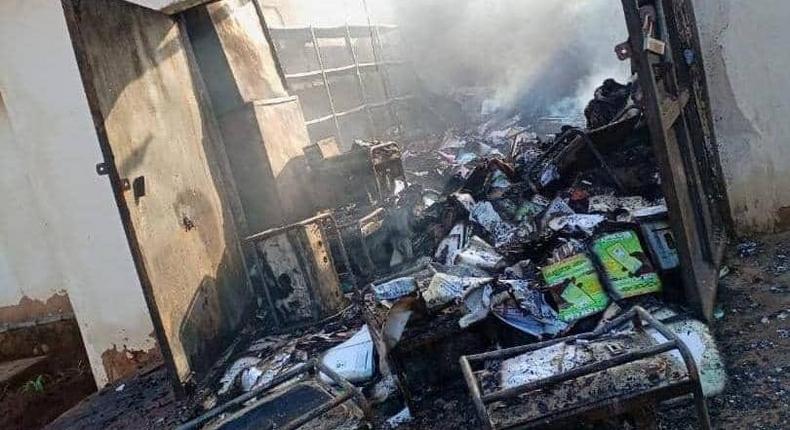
(627, 268)
(576, 288)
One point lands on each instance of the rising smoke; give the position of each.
(542, 57)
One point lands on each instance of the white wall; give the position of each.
(59, 226)
(747, 65)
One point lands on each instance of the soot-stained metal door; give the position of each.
(665, 51)
(158, 138)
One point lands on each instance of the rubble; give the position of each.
(609, 100)
(748, 248)
(487, 238)
(528, 311)
(620, 363)
(402, 417)
(627, 269)
(352, 359)
(444, 289)
(585, 223)
(576, 288)
(479, 254)
(233, 372)
(395, 288)
(661, 244)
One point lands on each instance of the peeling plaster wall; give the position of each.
(747, 65)
(60, 229)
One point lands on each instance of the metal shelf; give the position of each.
(339, 32)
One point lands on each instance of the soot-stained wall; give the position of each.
(746, 67)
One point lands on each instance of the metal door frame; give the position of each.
(676, 108)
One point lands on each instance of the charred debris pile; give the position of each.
(511, 267)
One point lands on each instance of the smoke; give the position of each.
(542, 57)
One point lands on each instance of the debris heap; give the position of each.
(490, 238)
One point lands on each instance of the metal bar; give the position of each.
(277, 230)
(591, 146)
(360, 82)
(371, 216)
(353, 110)
(413, 82)
(317, 73)
(342, 69)
(274, 101)
(375, 43)
(377, 55)
(688, 359)
(319, 120)
(383, 63)
(383, 145)
(662, 34)
(613, 404)
(392, 100)
(580, 371)
(477, 399)
(672, 109)
(315, 413)
(352, 390)
(332, 32)
(326, 82)
(359, 108)
(511, 352)
(303, 368)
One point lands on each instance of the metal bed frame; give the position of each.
(312, 367)
(612, 405)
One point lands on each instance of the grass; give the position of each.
(34, 385)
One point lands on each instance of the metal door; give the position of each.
(158, 138)
(665, 51)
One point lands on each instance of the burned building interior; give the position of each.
(397, 240)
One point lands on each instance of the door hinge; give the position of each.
(103, 168)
